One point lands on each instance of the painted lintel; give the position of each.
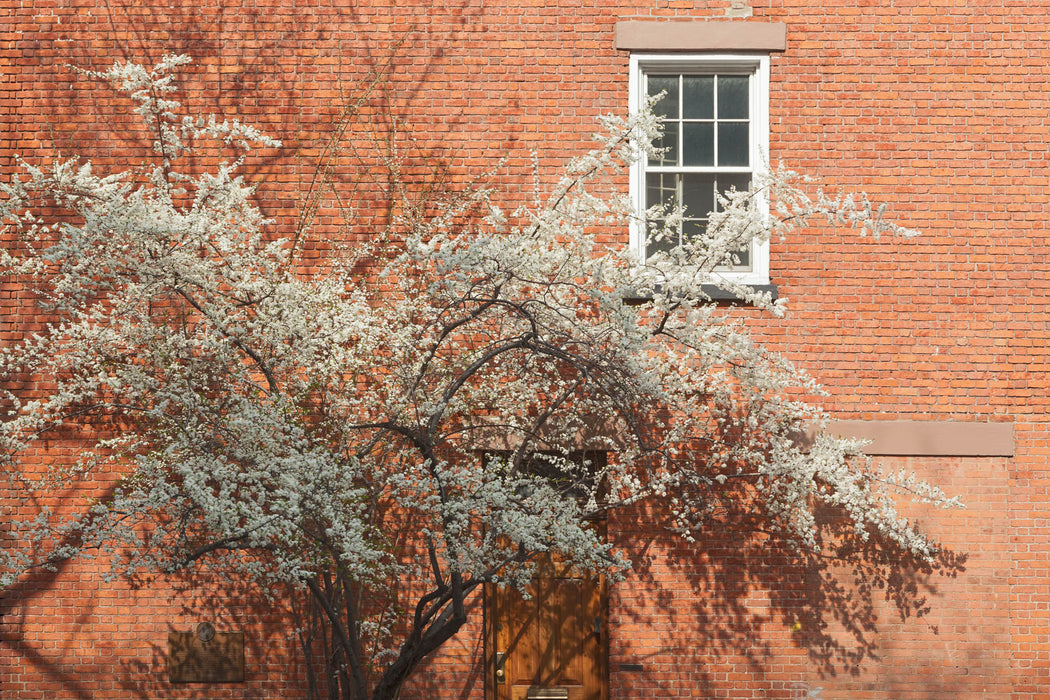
(698, 35)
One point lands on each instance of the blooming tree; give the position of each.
(282, 426)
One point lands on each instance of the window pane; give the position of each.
(698, 194)
(733, 97)
(668, 141)
(740, 183)
(651, 244)
(742, 259)
(698, 97)
(698, 144)
(661, 188)
(733, 146)
(668, 106)
(693, 229)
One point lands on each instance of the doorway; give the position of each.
(551, 645)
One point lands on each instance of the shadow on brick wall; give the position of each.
(742, 610)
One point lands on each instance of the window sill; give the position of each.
(716, 294)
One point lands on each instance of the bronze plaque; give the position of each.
(205, 658)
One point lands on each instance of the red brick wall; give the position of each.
(74, 635)
(936, 107)
(741, 620)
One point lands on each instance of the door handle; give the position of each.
(501, 661)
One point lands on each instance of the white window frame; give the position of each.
(755, 65)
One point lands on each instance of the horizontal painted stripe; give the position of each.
(701, 36)
(930, 438)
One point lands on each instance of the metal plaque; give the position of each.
(555, 693)
(205, 656)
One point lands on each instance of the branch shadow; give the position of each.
(15, 602)
(744, 602)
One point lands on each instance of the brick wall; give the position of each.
(935, 107)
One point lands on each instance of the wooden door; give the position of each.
(551, 645)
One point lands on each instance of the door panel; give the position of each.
(552, 643)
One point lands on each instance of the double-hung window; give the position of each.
(714, 112)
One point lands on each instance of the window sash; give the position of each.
(706, 116)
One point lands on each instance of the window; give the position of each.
(716, 134)
(577, 474)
